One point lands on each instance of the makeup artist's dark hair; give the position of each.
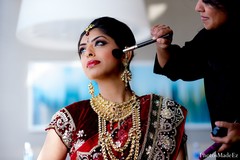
(117, 30)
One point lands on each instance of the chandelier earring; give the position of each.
(126, 76)
(91, 89)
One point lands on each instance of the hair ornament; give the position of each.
(89, 28)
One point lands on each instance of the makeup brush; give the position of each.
(117, 53)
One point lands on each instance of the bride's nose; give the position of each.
(90, 52)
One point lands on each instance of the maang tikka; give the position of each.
(88, 29)
(126, 76)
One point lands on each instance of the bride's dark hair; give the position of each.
(117, 30)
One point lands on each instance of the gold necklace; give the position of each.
(111, 111)
(116, 112)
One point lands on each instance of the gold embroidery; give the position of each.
(166, 116)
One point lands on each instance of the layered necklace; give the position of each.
(116, 112)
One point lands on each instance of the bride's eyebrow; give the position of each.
(94, 39)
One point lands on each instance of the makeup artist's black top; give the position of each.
(213, 56)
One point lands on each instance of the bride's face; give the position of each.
(95, 51)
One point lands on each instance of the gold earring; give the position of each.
(91, 89)
(126, 76)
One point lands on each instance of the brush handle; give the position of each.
(151, 41)
(142, 44)
(209, 150)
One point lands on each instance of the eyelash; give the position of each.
(97, 43)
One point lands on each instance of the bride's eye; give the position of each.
(81, 50)
(100, 43)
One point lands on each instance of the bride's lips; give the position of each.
(92, 63)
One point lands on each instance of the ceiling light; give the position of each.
(57, 24)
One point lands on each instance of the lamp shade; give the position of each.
(57, 24)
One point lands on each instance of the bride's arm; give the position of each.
(53, 147)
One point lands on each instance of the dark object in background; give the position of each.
(219, 132)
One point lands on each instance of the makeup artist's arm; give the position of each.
(233, 135)
(162, 43)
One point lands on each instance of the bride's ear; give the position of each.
(127, 56)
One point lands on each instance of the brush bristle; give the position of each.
(117, 53)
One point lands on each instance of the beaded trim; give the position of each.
(160, 142)
(64, 125)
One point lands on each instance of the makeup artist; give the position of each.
(116, 123)
(212, 55)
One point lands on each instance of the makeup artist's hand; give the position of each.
(162, 43)
(161, 30)
(233, 135)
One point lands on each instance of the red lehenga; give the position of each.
(162, 128)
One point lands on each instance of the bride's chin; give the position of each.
(92, 76)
